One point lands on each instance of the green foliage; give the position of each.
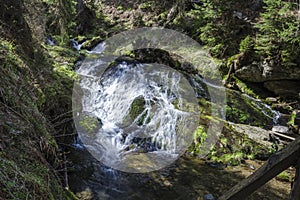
(292, 119)
(219, 25)
(285, 176)
(244, 88)
(247, 44)
(278, 37)
(199, 138)
(237, 114)
(120, 7)
(89, 124)
(233, 147)
(244, 109)
(231, 158)
(61, 19)
(31, 86)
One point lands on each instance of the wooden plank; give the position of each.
(295, 193)
(275, 164)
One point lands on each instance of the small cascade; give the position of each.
(264, 108)
(75, 44)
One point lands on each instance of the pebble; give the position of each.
(209, 197)
(252, 167)
(271, 99)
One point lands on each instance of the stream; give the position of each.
(135, 122)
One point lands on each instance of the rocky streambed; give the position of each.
(239, 151)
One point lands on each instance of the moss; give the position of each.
(231, 159)
(292, 119)
(28, 152)
(89, 124)
(137, 108)
(244, 88)
(176, 104)
(120, 7)
(243, 109)
(199, 137)
(66, 70)
(247, 44)
(285, 176)
(23, 175)
(145, 6)
(233, 113)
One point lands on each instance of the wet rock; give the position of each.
(209, 197)
(80, 5)
(295, 129)
(282, 108)
(50, 41)
(237, 14)
(296, 126)
(261, 72)
(283, 118)
(257, 4)
(250, 73)
(281, 129)
(75, 44)
(282, 81)
(144, 145)
(297, 118)
(283, 87)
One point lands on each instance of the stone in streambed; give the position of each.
(271, 99)
(209, 197)
(281, 129)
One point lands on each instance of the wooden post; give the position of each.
(275, 164)
(295, 193)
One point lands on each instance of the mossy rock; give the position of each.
(90, 124)
(244, 109)
(137, 108)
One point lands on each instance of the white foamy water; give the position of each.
(161, 130)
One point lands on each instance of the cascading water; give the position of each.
(145, 115)
(265, 109)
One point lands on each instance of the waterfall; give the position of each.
(146, 114)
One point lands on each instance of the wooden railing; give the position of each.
(278, 162)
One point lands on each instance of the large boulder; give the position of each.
(284, 87)
(261, 72)
(259, 135)
(282, 80)
(252, 73)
